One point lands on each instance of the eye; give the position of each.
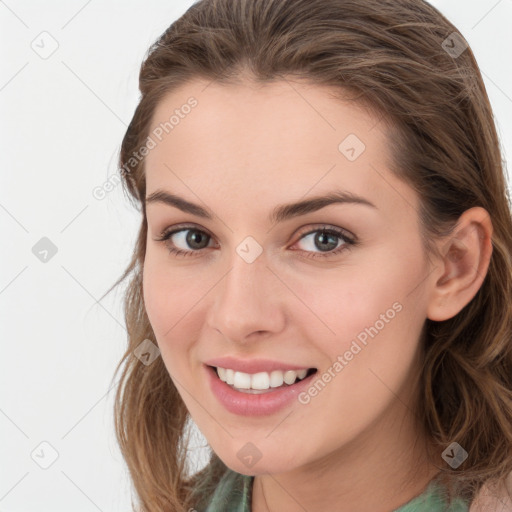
(186, 237)
(190, 241)
(329, 240)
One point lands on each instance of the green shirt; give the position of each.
(233, 494)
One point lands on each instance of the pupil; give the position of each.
(323, 237)
(195, 237)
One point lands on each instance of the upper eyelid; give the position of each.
(326, 227)
(176, 229)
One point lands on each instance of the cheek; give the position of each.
(377, 316)
(367, 302)
(168, 292)
(156, 297)
(166, 302)
(173, 299)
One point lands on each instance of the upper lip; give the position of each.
(253, 365)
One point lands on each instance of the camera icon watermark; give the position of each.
(45, 45)
(454, 45)
(44, 250)
(454, 455)
(44, 455)
(146, 352)
(351, 147)
(249, 454)
(249, 249)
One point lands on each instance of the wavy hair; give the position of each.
(393, 57)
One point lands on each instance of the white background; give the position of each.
(61, 125)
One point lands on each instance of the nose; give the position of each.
(248, 302)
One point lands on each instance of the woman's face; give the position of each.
(341, 287)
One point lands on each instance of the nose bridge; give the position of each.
(245, 300)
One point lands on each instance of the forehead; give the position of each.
(276, 138)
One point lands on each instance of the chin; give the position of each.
(263, 466)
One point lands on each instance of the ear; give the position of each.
(463, 263)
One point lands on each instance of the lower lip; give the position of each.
(247, 404)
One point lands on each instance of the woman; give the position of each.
(324, 263)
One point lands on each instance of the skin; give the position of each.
(243, 150)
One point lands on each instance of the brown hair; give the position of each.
(391, 54)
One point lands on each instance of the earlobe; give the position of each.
(464, 261)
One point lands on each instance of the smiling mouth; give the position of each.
(261, 382)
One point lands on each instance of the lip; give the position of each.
(253, 365)
(246, 404)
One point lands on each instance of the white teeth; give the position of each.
(290, 376)
(222, 373)
(276, 379)
(242, 380)
(261, 380)
(301, 374)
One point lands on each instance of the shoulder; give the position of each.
(232, 492)
(434, 499)
(492, 498)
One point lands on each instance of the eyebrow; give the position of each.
(279, 214)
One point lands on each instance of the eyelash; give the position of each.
(348, 242)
